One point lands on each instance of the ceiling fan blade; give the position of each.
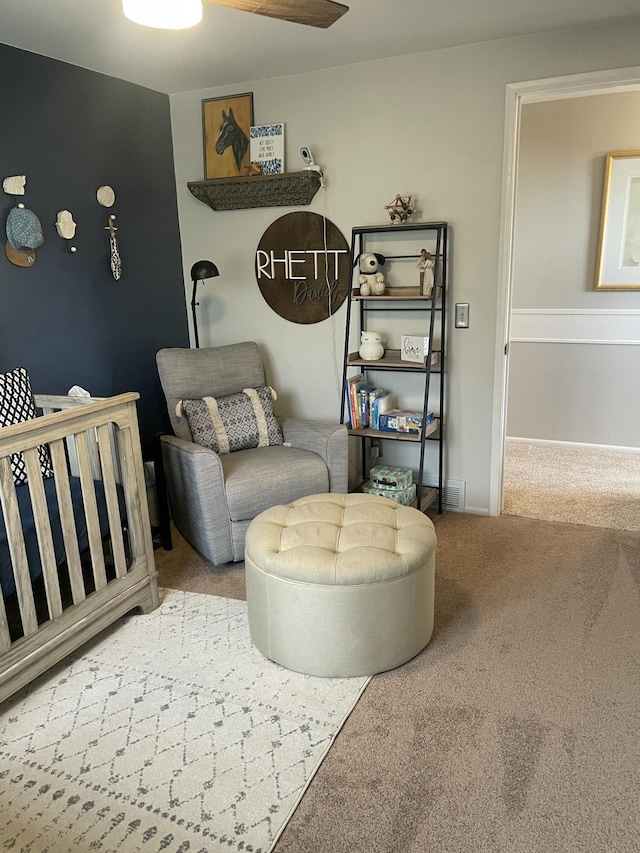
(312, 13)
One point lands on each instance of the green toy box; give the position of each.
(387, 477)
(401, 496)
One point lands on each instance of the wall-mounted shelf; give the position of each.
(288, 189)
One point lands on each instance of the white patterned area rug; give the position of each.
(171, 733)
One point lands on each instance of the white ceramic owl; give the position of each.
(371, 347)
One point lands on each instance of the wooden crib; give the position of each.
(77, 546)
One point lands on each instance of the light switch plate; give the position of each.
(462, 315)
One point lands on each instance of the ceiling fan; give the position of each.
(178, 14)
(312, 13)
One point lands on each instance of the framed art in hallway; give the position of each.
(618, 260)
(225, 126)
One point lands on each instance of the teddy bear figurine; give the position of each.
(371, 280)
(371, 347)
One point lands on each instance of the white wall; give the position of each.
(429, 124)
(575, 352)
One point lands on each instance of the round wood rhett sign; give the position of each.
(302, 267)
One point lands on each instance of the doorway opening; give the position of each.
(517, 96)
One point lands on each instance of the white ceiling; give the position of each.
(231, 47)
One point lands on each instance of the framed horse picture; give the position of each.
(225, 124)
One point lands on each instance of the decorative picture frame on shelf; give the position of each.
(267, 148)
(226, 123)
(618, 259)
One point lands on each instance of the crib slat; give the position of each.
(132, 492)
(5, 637)
(93, 453)
(67, 520)
(43, 533)
(135, 493)
(111, 495)
(91, 511)
(17, 550)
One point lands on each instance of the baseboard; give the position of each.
(614, 447)
(477, 510)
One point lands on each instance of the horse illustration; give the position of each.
(231, 134)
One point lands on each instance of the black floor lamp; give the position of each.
(199, 272)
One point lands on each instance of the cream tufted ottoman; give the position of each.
(340, 585)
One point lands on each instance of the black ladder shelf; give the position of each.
(404, 299)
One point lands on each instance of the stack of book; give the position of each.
(370, 406)
(364, 404)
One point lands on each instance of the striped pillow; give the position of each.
(16, 407)
(237, 422)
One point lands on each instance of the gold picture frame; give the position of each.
(226, 124)
(618, 260)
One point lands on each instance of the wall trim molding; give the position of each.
(577, 311)
(598, 341)
(575, 444)
(576, 325)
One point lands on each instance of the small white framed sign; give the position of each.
(267, 147)
(414, 348)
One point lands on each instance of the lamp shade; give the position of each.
(199, 271)
(164, 14)
(203, 269)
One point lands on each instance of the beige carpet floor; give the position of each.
(517, 730)
(573, 483)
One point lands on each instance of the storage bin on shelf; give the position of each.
(400, 496)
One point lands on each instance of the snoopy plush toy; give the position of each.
(371, 280)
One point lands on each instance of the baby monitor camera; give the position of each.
(310, 164)
(307, 156)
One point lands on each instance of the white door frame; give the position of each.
(517, 94)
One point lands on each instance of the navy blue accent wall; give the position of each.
(66, 319)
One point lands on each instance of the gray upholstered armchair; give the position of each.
(215, 495)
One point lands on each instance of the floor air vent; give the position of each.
(454, 493)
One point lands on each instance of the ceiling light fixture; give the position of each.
(164, 14)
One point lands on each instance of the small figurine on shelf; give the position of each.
(371, 346)
(400, 209)
(425, 265)
(371, 280)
